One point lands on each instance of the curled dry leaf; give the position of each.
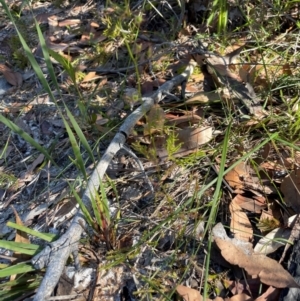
(268, 270)
(240, 224)
(272, 241)
(275, 239)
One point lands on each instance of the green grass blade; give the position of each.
(23, 248)
(67, 66)
(80, 134)
(25, 136)
(82, 206)
(49, 237)
(76, 149)
(29, 54)
(18, 268)
(214, 205)
(94, 201)
(104, 202)
(47, 56)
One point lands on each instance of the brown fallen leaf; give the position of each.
(243, 177)
(241, 297)
(90, 77)
(235, 177)
(13, 78)
(69, 22)
(255, 204)
(189, 294)
(268, 270)
(191, 138)
(240, 224)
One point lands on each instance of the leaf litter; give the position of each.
(193, 135)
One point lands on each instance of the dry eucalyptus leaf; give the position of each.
(189, 294)
(20, 235)
(243, 177)
(235, 177)
(14, 78)
(191, 138)
(241, 297)
(268, 270)
(69, 22)
(240, 224)
(255, 204)
(90, 77)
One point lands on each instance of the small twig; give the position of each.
(137, 160)
(295, 234)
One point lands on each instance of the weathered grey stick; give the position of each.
(55, 255)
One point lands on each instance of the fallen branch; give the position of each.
(55, 255)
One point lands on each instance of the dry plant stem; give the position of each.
(55, 255)
(295, 234)
(137, 160)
